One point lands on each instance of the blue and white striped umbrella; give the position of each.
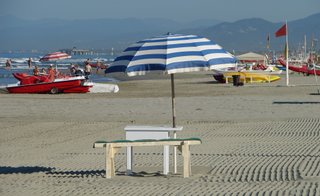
(173, 54)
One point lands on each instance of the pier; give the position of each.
(75, 51)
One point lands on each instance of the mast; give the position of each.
(305, 47)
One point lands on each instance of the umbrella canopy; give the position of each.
(55, 56)
(172, 53)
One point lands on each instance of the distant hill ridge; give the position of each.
(251, 34)
(242, 35)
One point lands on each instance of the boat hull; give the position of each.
(43, 84)
(78, 89)
(60, 86)
(301, 69)
(246, 77)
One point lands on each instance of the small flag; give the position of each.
(282, 31)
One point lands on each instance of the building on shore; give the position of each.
(75, 51)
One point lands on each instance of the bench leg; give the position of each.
(109, 161)
(186, 159)
(114, 150)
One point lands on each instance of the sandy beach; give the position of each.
(258, 139)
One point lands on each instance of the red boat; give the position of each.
(42, 84)
(301, 69)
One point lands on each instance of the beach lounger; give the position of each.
(113, 146)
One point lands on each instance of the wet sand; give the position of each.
(258, 139)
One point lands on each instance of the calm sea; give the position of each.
(19, 64)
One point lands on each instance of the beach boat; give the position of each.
(42, 84)
(247, 76)
(251, 69)
(300, 69)
(270, 74)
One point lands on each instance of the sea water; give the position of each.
(19, 64)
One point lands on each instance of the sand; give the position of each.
(258, 139)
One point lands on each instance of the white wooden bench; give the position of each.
(113, 146)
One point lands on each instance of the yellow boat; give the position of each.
(250, 77)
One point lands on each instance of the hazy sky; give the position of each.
(179, 10)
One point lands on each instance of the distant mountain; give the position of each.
(242, 35)
(92, 33)
(201, 23)
(8, 21)
(251, 34)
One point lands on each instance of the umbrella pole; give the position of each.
(173, 123)
(173, 101)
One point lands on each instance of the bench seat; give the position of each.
(113, 146)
